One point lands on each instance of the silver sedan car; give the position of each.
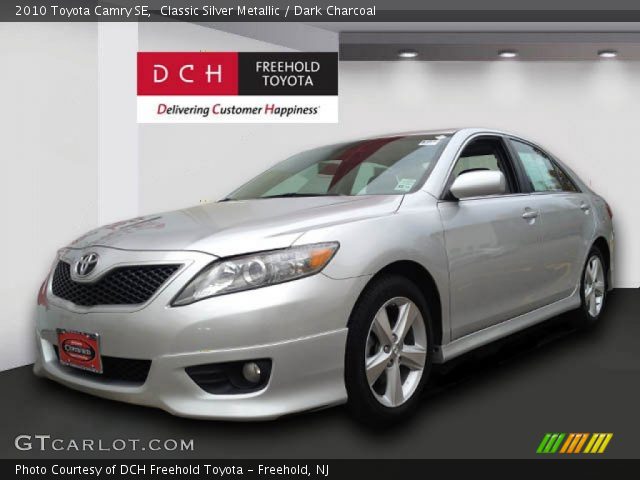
(342, 274)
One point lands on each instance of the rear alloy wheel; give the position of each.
(593, 292)
(594, 288)
(388, 356)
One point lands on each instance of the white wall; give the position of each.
(582, 111)
(48, 147)
(118, 128)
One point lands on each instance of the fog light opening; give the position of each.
(230, 378)
(251, 372)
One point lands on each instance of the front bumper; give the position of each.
(307, 374)
(299, 325)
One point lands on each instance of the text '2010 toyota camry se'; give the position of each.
(340, 274)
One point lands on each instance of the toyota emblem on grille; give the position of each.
(86, 264)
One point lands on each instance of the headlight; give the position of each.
(257, 270)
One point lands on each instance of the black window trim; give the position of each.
(526, 182)
(511, 164)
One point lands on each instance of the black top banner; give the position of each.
(318, 11)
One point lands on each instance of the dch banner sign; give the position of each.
(237, 87)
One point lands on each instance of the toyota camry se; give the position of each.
(341, 274)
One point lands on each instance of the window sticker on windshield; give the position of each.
(405, 184)
(424, 143)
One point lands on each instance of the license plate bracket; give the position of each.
(79, 350)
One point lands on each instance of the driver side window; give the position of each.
(485, 154)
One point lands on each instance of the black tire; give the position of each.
(583, 316)
(361, 400)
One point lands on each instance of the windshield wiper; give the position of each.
(296, 194)
(288, 195)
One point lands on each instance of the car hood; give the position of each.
(234, 227)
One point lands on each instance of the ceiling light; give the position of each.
(607, 54)
(407, 54)
(507, 54)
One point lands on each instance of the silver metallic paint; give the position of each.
(479, 183)
(500, 263)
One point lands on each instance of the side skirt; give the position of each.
(487, 335)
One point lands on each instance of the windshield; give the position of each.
(382, 166)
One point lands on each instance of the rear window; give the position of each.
(543, 173)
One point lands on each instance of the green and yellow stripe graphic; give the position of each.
(574, 443)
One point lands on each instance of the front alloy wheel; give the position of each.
(396, 351)
(388, 355)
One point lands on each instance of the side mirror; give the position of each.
(479, 183)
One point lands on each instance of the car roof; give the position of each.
(446, 131)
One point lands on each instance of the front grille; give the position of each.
(122, 286)
(115, 368)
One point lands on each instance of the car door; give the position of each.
(566, 219)
(492, 244)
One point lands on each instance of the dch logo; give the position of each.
(161, 73)
(187, 73)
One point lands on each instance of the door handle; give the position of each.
(585, 207)
(530, 214)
